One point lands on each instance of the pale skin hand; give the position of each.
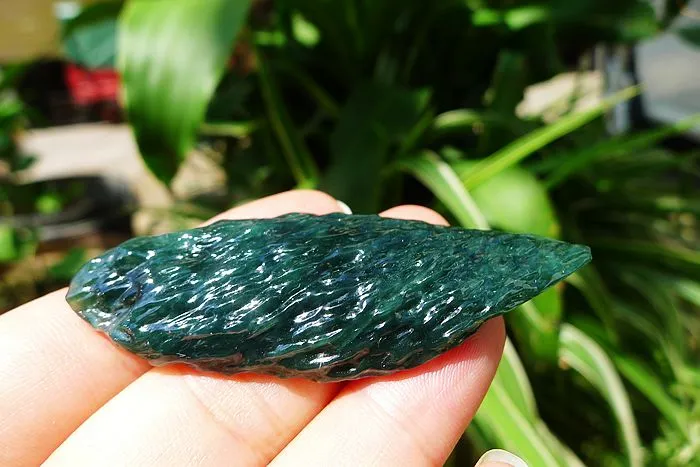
(69, 397)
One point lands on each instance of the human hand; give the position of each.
(70, 397)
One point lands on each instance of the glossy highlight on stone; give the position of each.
(321, 297)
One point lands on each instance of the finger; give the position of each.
(177, 416)
(413, 417)
(56, 371)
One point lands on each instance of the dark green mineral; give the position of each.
(323, 297)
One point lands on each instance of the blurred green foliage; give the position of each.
(387, 102)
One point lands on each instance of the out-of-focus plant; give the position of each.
(15, 243)
(387, 102)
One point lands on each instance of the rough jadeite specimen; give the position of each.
(322, 297)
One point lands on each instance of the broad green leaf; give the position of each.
(171, 56)
(583, 354)
(299, 159)
(513, 200)
(439, 177)
(536, 140)
(90, 39)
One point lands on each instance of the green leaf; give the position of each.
(583, 354)
(511, 373)
(514, 18)
(508, 415)
(513, 200)
(506, 92)
(290, 140)
(590, 284)
(90, 39)
(666, 256)
(536, 140)
(640, 376)
(646, 382)
(323, 99)
(564, 165)
(8, 247)
(689, 290)
(171, 58)
(304, 32)
(69, 265)
(374, 118)
(230, 129)
(439, 177)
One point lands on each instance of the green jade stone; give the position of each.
(326, 298)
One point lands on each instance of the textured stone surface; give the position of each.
(323, 297)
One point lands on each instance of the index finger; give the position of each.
(56, 371)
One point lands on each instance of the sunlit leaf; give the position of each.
(583, 354)
(171, 58)
(536, 140)
(445, 184)
(513, 200)
(507, 415)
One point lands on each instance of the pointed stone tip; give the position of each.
(571, 257)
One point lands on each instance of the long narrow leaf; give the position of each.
(439, 177)
(567, 164)
(507, 415)
(667, 256)
(171, 56)
(584, 355)
(536, 140)
(293, 147)
(648, 384)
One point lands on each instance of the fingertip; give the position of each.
(303, 201)
(415, 212)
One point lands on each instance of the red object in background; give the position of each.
(88, 87)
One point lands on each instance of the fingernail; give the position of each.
(500, 457)
(344, 207)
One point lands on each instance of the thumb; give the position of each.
(500, 458)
